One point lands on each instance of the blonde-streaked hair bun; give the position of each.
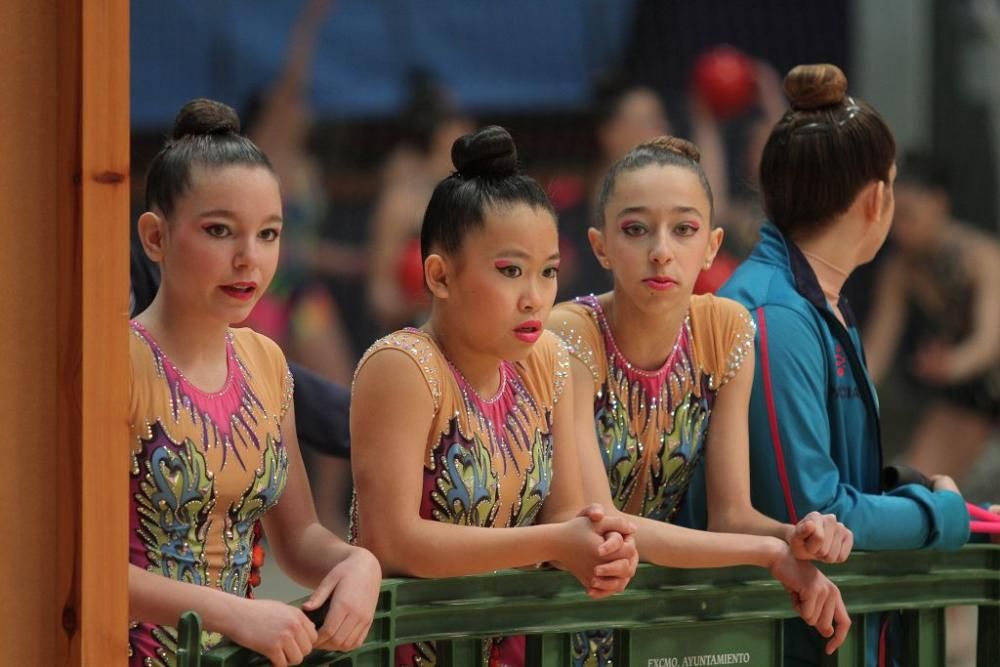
(681, 147)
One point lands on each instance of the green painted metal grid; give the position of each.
(663, 607)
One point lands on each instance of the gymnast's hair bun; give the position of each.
(675, 145)
(486, 153)
(205, 117)
(815, 86)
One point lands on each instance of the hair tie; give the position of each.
(850, 110)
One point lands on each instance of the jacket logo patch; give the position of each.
(841, 361)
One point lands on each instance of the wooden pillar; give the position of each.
(64, 131)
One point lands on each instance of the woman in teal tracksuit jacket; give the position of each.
(826, 179)
(814, 423)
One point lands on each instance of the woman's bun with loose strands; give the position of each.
(815, 86)
(202, 116)
(822, 152)
(205, 133)
(486, 176)
(488, 153)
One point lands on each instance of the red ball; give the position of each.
(724, 79)
(410, 271)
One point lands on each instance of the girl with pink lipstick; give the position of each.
(661, 381)
(462, 445)
(213, 445)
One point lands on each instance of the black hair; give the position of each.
(207, 133)
(822, 151)
(486, 176)
(661, 151)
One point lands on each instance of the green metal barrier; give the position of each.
(666, 618)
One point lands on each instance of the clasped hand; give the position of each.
(821, 537)
(599, 550)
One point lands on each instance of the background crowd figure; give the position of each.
(355, 187)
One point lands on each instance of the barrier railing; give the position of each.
(666, 618)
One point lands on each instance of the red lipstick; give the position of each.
(529, 331)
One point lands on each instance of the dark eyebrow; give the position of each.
(520, 254)
(683, 210)
(229, 215)
(218, 213)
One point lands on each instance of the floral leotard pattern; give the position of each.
(205, 466)
(651, 425)
(488, 461)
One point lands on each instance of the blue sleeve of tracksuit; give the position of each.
(910, 517)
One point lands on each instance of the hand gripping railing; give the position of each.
(667, 617)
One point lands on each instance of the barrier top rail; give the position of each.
(665, 617)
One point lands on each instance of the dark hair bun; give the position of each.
(201, 117)
(675, 145)
(815, 86)
(489, 152)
